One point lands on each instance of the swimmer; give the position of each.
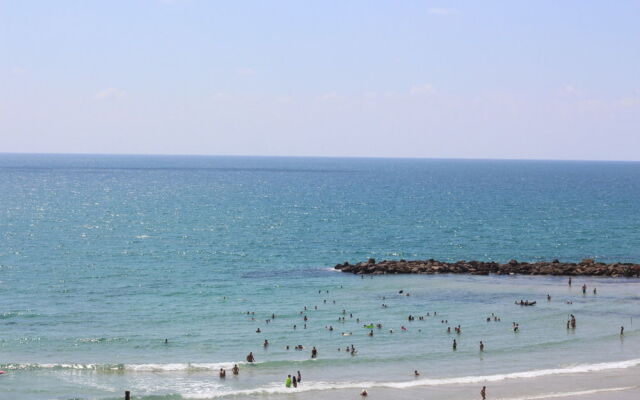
(481, 346)
(258, 330)
(455, 344)
(235, 369)
(299, 377)
(294, 381)
(621, 330)
(314, 352)
(483, 393)
(223, 373)
(364, 393)
(287, 382)
(266, 343)
(250, 357)
(416, 373)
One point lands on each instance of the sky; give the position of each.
(346, 78)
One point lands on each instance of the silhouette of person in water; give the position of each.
(483, 392)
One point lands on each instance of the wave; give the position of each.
(187, 367)
(276, 388)
(556, 395)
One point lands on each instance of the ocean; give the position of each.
(102, 258)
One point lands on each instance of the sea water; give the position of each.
(102, 258)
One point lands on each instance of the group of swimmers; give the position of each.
(293, 381)
(235, 370)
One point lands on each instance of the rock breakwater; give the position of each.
(586, 267)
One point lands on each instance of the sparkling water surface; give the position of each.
(103, 257)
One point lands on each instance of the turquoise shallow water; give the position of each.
(103, 257)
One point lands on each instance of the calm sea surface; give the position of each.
(102, 258)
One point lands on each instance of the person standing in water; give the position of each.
(299, 377)
(287, 382)
(483, 392)
(314, 352)
(455, 344)
(294, 381)
(250, 357)
(621, 330)
(481, 346)
(223, 373)
(235, 369)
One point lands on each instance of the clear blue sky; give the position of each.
(469, 79)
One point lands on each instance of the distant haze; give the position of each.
(466, 79)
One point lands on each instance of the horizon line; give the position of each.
(312, 156)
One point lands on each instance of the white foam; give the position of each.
(556, 395)
(181, 366)
(128, 367)
(581, 368)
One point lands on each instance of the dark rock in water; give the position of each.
(585, 267)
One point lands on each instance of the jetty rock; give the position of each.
(586, 267)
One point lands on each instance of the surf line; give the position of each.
(555, 395)
(276, 388)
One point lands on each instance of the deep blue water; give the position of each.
(103, 257)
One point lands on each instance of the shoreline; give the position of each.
(586, 267)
